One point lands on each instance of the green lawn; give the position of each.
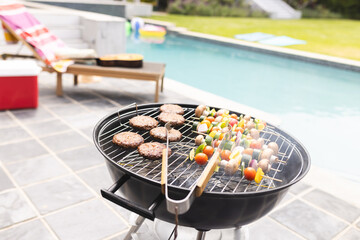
(339, 38)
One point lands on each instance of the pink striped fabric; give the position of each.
(31, 30)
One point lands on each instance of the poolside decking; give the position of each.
(51, 173)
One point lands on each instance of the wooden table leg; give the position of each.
(157, 90)
(59, 90)
(76, 81)
(162, 83)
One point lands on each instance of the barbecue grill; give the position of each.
(227, 202)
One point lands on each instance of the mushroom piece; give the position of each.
(254, 133)
(231, 167)
(274, 147)
(264, 164)
(250, 125)
(247, 117)
(199, 139)
(261, 141)
(267, 153)
(199, 110)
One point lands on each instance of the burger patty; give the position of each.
(172, 118)
(152, 150)
(143, 122)
(160, 134)
(172, 108)
(128, 139)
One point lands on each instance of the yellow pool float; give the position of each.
(152, 31)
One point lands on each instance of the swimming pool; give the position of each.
(320, 105)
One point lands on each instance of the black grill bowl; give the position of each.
(213, 210)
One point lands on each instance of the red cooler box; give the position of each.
(18, 84)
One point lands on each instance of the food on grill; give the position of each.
(225, 154)
(267, 153)
(143, 122)
(199, 110)
(201, 158)
(249, 173)
(274, 147)
(172, 108)
(208, 150)
(172, 118)
(199, 140)
(264, 164)
(152, 150)
(128, 139)
(160, 134)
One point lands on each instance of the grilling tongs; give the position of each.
(183, 205)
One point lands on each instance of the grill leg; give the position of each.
(134, 227)
(200, 235)
(241, 233)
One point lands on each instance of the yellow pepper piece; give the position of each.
(259, 175)
(260, 126)
(241, 123)
(212, 134)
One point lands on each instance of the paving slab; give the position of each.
(308, 221)
(64, 141)
(80, 121)
(81, 95)
(351, 234)
(11, 134)
(48, 127)
(14, 208)
(70, 109)
(299, 188)
(36, 169)
(27, 231)
(55, 101)
(97, 178)
(57, 194)
(91, 220)
(333, 205)
(21, 151)
(98, 104)
(32, 115)
(5, 182)
(6, 120)
(81, 158)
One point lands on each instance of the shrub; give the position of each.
(319, 12)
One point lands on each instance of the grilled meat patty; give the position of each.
(152, 150)
(128, 139)
(160, 134)
(172, 108)
(143, 122)
(172, 118)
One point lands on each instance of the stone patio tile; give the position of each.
(308, 221)
(58, 193)
(55, 100)
(27, 231)
(81, 95)
(63, 141)
(5, 182)
(6, 120)
(81, 121)
(36, 169)
(124, 99)
(98, 104)
(45, 91)
(88, 131)
(298, 188)
(358, 224)
(81, 158)
(97, 178)
(11, 134)
(351, 234)
(47, 127)
(13, 209)
(32, 115)
(21, 151)
(68, 109)
(333, 205)
(91, 220)
(269, 230)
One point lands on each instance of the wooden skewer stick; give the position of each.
(272, 178)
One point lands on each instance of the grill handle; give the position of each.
(110, 195)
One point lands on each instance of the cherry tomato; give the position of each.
(248, 151)
(217, 143)
(201, 158)
(210, 119)
(208, 150)
(225, 155)
(250, 173)
(207, 122)
(255, 145)
(233, 121)
(234, 116)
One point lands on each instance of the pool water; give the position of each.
(317, 104)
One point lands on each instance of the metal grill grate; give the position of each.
(182, 172)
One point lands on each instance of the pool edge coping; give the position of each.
(322, 59)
